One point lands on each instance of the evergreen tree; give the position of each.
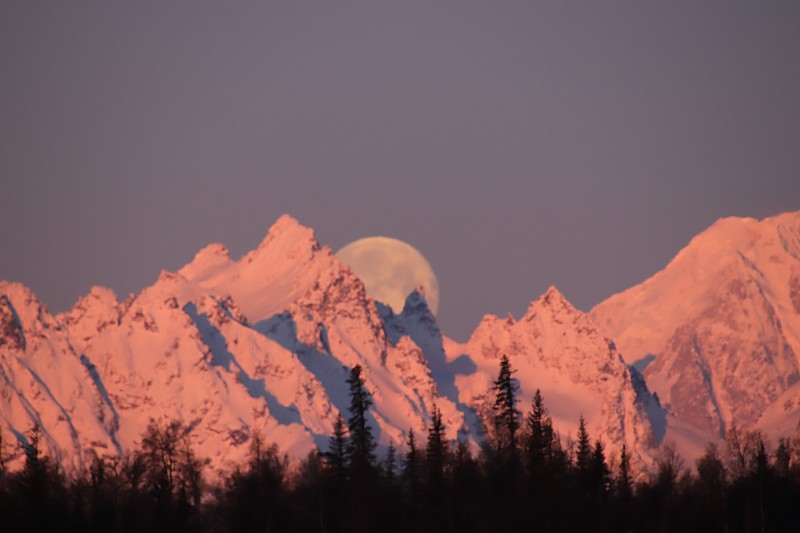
(361, 444)
(436, 456)
(623, 491)
(601, 476)
(390, 463)
(506, 414)
(33, 460)
(436, 451)
(336, 456)
(761, 479)
(583, 455)
(363, 497)
(465, 490)
(539, 435)
(624, 482)
(40, 487)
(411, 464)
(783, 456)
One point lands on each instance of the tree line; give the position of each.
(524, 478)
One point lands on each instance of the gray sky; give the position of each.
(516, 144)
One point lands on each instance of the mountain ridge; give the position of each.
(268, 339)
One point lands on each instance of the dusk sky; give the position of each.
(517, 145)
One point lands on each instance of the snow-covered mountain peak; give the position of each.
(417, 322)
(23, 303)
(268, 339)
(718, 327)
(16, 290)
(286, 265)
(207, 261)
(416, 303)
(102, 295)
(554, 302)
(165, 277)
(99, 306)
(558, 349)
(715, 243)
(789, 221)
(287, 234)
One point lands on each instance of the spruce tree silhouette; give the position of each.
(505, 474)
(336, 456)
(539, 436)
(390, 464)
(436, 459)
(361, 443)
(411, 465)
(583, 455)
(506, 416)
(363, 475)
(436, 451)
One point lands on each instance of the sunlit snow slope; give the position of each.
(717, 332)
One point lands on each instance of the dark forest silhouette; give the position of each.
(523, 479)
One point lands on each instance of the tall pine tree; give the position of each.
(507, 417)
(361, 444)
(583, 455)
(411, 463)
(624, 481)
(436, 451)
(600, 474)
(539, 435)
(336, 456)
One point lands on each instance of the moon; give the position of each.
(391, 269)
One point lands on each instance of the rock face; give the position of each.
(557, 349)
(45, 382)
(263, 344)
(718, 330)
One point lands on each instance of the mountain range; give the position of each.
(262, 345)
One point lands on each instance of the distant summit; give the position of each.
(720, 324)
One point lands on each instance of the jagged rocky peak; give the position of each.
(546, 314)
(288, 235)
(98, 297)
(554, 302)
(416, 320)
(165, 277)
(100, 306)
(557, 349)
(417, 304)
(28, 312)
(212, 257)
(416, 301)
